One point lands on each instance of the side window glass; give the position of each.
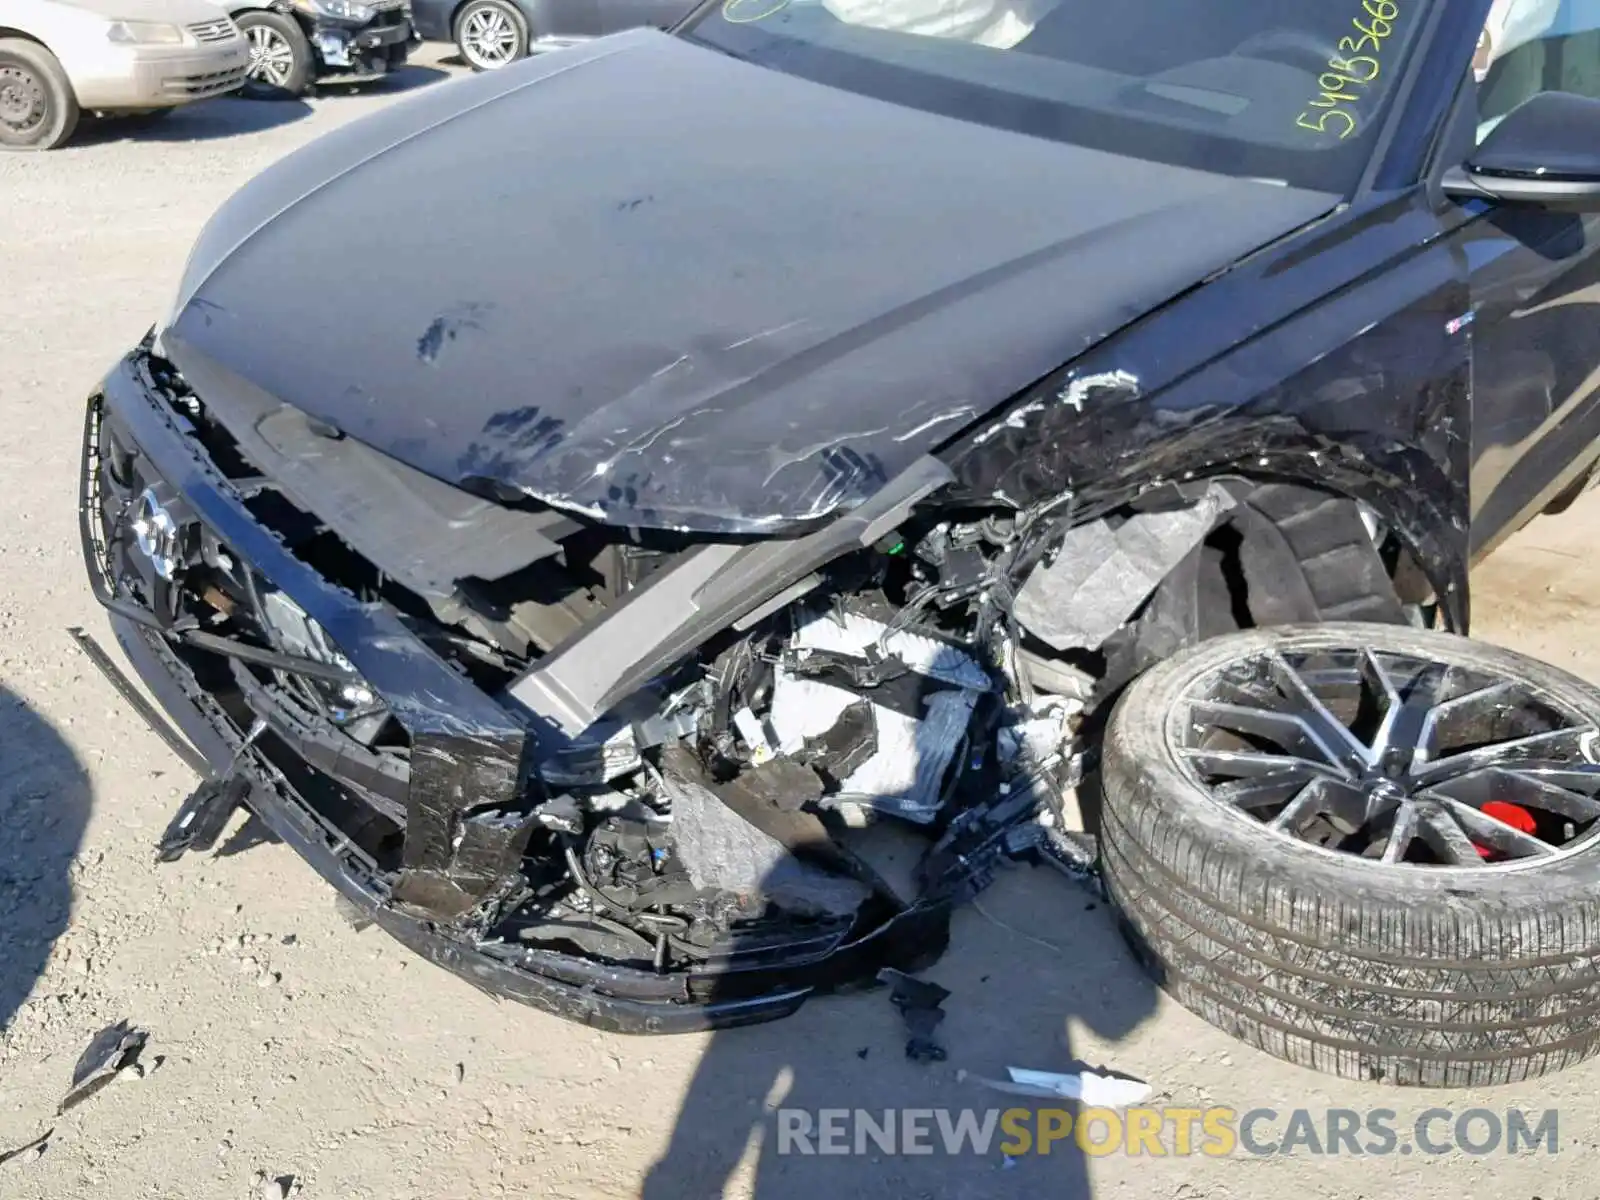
(1533, 46)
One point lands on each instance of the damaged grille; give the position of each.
(727, 810)
(357, 755)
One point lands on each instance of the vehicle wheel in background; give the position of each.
(1367, 849)
(280, 56)
(491, 33)
(38, 110)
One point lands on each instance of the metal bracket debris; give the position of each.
(175, 741)
(202, 817)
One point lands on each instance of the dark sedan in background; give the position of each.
(491, 33)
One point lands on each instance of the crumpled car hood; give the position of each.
(651, 283)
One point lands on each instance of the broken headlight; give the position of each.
(345, 702)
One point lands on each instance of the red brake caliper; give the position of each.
(1513, 815)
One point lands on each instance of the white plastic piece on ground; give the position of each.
(1100, 1091)
(904, 778)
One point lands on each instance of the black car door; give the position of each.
(561, 20)
(625, 14)
(1535, 293)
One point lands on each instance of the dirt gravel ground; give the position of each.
(285, 1043)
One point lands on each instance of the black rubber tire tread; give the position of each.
(305, 62)
(1435, 977)
(62, 101)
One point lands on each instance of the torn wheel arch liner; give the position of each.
(1360, 387)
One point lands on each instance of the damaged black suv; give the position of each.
(828, 425)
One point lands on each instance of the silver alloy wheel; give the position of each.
(271, 56)
(489, 38)
(1393, 758)
(23, 104)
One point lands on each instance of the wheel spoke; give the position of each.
(1264, 791)
(1331, 734)
(1288, 731)
(1582, 779)
(1445, 837)
(1304, 805)
(1343, 806)
(1241, 764)
(1493, 693)
(1399, 741)
(1528, 790)
(1491, 832)
(1521, 749)
(1402, 832)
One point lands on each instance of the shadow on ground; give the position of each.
(235, 116)
(407, 78)
(206, 121)
(44, 806)
(1011, 1003)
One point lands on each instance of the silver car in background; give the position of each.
(62, 58)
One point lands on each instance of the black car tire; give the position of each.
(38, 110)
(1405, 973)
(508, 16)
(282, 31)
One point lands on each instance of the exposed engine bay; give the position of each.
(665, 755)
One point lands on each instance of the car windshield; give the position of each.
(1286, 90)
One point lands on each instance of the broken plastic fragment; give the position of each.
(115, 1048)
(919, 1003)
(279, 1187)
(357, 917)
(750, 729)
(202, 817)
(562, 814)
(30, 1150)
(1078, 390)
(1092, 1087)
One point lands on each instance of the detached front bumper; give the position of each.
(466, 750)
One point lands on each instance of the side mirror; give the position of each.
(1545, 152)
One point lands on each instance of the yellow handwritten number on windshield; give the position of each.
(745, 12)
(1343, 85)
